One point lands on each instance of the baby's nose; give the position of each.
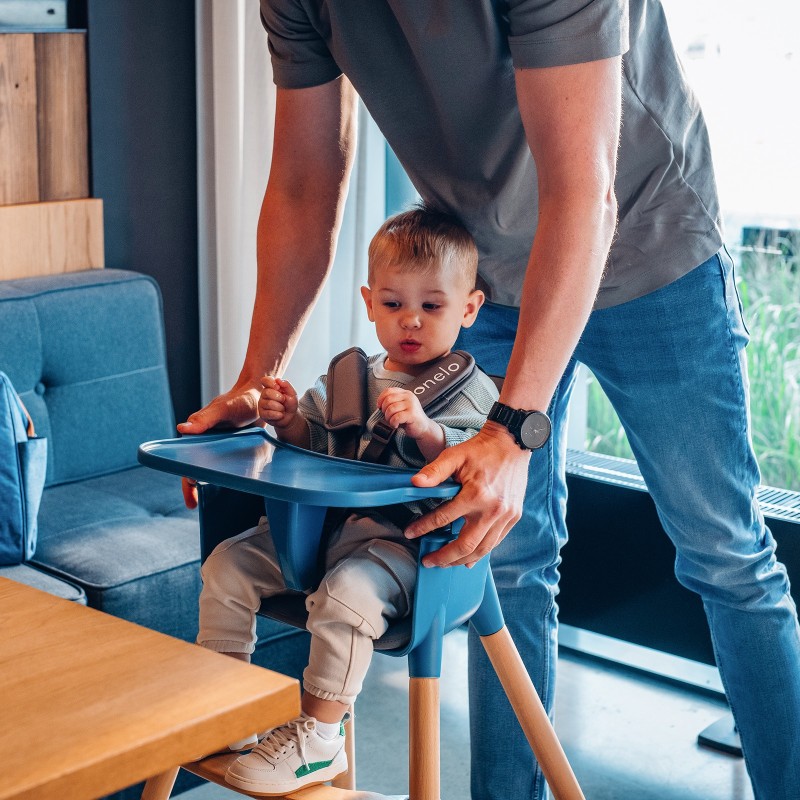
(411, 321)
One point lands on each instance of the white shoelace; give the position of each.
(273, 747)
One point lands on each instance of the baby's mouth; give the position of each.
(410, 346)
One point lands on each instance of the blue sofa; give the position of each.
(86, 353)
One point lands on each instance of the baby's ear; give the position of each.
(473, 305)
(366, 293)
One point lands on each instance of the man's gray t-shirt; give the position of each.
(438, 78)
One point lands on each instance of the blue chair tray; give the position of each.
(251, 460)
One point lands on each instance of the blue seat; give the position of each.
(298, 488)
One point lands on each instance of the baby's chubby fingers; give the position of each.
(393, 394)
(396, 412)
(269, 382)
(278, 401)
(399, 406)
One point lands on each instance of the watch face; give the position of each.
(535, 430)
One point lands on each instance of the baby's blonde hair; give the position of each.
(425, 240)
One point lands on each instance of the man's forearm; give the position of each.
(574, 143)
(560, 287)
(315, 136)
(293, 263)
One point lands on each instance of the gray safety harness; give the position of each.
(348, 409)
(348, 412)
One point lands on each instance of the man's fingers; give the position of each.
(470, 546)
(199, 422)
(493, 538)
(439, 469)
(438, 518)
(481, 533)
(234, 409)
(189, 489)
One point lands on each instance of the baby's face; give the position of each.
(417, 315)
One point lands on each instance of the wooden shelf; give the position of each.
(50, 238)
(48, 222)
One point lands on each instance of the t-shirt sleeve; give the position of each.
(543, 33)
(300, 56)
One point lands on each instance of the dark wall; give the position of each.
(144, 159)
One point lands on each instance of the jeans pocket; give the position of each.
(732, 297)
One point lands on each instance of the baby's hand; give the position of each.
(278, 402)
(402, 408)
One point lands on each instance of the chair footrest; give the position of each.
(214, 768)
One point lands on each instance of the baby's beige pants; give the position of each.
(371, 571)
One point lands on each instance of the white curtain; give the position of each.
(236, 108)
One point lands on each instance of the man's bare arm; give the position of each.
(572, 117)
(313, 149)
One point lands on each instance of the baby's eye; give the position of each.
(391, 304)
(431, 306)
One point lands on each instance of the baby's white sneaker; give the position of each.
(288, 758)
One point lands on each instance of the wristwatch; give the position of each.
(530, 429)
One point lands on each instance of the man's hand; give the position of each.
(234, 409)
(189, 489)
(278, 402)
(493, 472)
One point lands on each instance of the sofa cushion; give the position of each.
(129, 541)
(86, 353)
(132, 545)
(25, 573)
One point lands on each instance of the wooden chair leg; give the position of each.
(160, 786)
(347, 780)
(423, 739)
(532, 717)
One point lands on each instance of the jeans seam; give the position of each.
(736, 367)
(538, 784)
(709, 614)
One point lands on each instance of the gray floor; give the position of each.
(627, 738)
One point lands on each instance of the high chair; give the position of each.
(298, 487)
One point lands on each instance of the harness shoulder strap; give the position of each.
(433, 388)
(347, 396)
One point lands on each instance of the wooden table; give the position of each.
(90, 703)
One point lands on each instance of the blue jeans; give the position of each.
(673, 365)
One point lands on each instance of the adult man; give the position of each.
(508, 114)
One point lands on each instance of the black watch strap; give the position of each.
(530, 429)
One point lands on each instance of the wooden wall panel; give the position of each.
(19, 173)
(62, 115)
(50, 238)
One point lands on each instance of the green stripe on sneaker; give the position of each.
(302, 771)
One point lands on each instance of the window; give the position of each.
(743, 61)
